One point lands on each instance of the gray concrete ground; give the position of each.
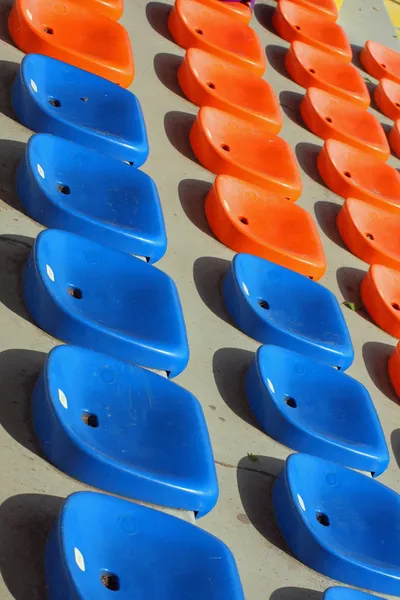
(31, 490)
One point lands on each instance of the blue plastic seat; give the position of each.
(102, 545)
(340, 522)
(313, 408)
(100, 298)
(50, 96)
(67, 186)
(124, 429)
(344, 593)
(277, 306)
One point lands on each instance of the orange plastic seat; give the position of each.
(380, 61)
(355, 174)
(387, 97)
(295, 22)
(250, 219)
(112, 9)
(237, 10)
(331, 117)
(394, 137)
(193, 25)
(74, 34)
(380, 294)
(325, 8)
(394, 369)
(371, 233)
(310, 67)
(226, 145)
(210, 81)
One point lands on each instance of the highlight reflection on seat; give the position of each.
(75, 34)
(332, 519)
(132, 551)
(124, 429)
(277, 306)
(193, 25)
(226, 145)
(237, 10)
(91, 295)
(311, 67)
(311, 407)
(324, 8)
(236, 212)
(210, 81)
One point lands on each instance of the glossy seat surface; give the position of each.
(124, 429)
(91, 295)
(74, 33)
(332, 519)
(292, 21)
(231, 146)
(331, 117)
(311, 67)
(387, 97)
(109, 8)
(210, 81)
(380, 61)
(371, 233)
(345, 593)
(236, 213)
(57, 181)
(277, 306)
(237, 10)
(352, 173)
(394, 369)
(49, 96)
(380, 293)
(194, 25)
(134, 552)
(311, 407)
(324, 8)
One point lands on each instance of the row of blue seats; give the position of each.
(335, 520)
(97, 415)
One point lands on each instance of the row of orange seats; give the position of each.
(352, 162)
(235, 136)
(82, 33)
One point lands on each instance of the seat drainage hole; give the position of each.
(347, 174)
(290, 402)
(297, 27)
(244, 220)
(211, 85)
(264, 304)
(226, 147)
(75, 293)
(55, 102)
(396, 306)
(84, 99)
(383, 65)
(328, 119)
(48, 30)
(64, 189)
(287, 198)
(110, 581)
(370, 236)
(90, 419)
(312, 71)
(323, 519)
(199, 31)
(398, 104)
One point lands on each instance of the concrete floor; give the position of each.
(31, 490)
